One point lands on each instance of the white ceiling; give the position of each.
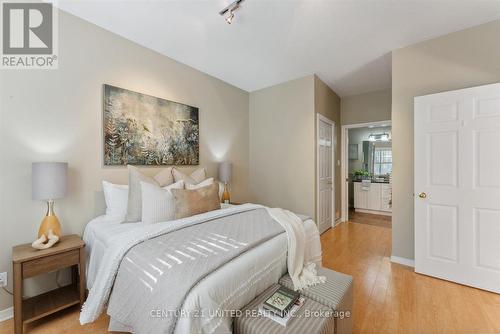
(346, 43)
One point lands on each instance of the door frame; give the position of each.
(320, 117)
(344, 163)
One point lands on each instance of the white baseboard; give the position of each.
(375, 212)
(6, 314)
(402, 260)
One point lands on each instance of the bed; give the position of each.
(210, 301)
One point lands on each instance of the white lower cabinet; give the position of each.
(360, 196)
(386, 197)
(376, 197)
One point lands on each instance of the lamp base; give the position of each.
(50, 222)
(225, 195)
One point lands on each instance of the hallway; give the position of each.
(370, 219)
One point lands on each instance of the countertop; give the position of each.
(387, 182)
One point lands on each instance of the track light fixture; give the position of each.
(228, 12)
(229, 17)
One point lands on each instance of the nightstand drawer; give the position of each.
(50, 263)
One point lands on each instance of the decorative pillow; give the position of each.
(158, 204)
(116, 197)
(196, 177)
(192, 202)
(205, 183)
(202, 184)
(135, 177)
(164, 177)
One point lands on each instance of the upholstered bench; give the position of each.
(311, 318)
(336, 293)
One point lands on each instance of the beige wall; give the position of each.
(458, 60)
(327, 103)
(368, 107)
(56, 115)
(283, 142)
(282, 150)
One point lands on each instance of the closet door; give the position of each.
(325, 174)
(457, 186)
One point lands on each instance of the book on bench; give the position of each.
(281, 301)
(288, 316)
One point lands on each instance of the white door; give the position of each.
(325, 155)
(457, 186)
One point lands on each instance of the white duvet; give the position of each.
(229, 288)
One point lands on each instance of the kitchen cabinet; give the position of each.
(374, 199)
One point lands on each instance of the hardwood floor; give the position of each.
(370, 219)
(391, 298)
(63, 322)
(388, 298)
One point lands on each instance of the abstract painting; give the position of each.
(144, 130)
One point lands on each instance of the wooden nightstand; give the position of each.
(28, 262)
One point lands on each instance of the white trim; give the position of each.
(402, 260)
(344, 206)
(6, 314)
(336, 222)
(332, 123)
(375, 212)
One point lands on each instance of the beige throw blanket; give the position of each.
(302, 270)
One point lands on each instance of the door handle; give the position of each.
(422, 195)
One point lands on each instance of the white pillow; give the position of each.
(116, 197)
(196, 177)
(207, 182)
(158, 203)
(134, 206)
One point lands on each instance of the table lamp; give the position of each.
(49, 182)
(225, 169)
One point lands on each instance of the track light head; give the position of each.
(228, 12)
(229, 17)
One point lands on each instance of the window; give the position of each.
(382, 162)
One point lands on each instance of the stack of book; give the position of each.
(282, 305)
